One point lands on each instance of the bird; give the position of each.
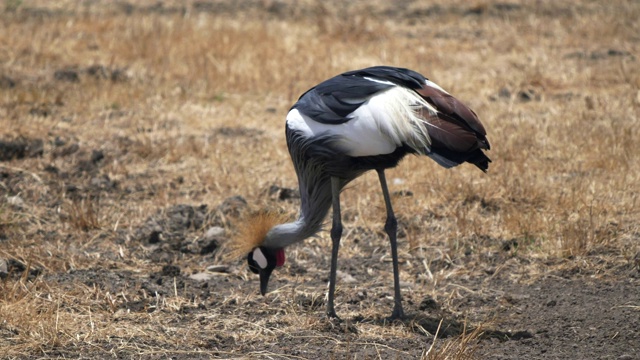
(357, 121)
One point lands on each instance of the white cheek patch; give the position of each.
(259, 258)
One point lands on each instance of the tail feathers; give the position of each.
(480, 159)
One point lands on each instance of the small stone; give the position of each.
(504, 93)
(232, 206)
(519, 335)
(69, 75)
(15, 201)
(58, 141)
(154, 237)
(170, 270)
(96, 156)
(218, 268)
(527, 95)
(205, 246)
(213, 232)
(345, 277)
(7, 82)
(4, 270)
(428, 303)
(403, 193)
(281, 193)
(65, 150)
(202, 276)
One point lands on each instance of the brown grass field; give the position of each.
(136, 137)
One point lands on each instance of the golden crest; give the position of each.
(252, 231)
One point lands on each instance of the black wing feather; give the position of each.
(331, 101)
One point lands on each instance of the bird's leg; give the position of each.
(336, 234)
(391, 227)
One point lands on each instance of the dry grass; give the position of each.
(188, 107)
(462, 347)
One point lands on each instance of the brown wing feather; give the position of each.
(455, 112)
(449, 133)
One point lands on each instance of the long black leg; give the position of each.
(336, 234)
(391, 227)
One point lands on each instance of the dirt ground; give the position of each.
(113, 239)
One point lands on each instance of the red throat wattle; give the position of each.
(279, 257)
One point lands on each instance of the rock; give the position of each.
(170, 270)
(345, 277)
(528, 95)
(218, 268)
(101, 72)
(504, 93)
(214, 232)
(428, 303)
(507, 245)
(281, 193)
(65, 150)
(403, 193)
(69, 75)
(15, 201)
(96, 156)
(21, 148)
(232, 205)
(202, 276)
(616, 52)
(230, 208)
(154, 237)
(207, 246)
(4, 270)
(14, 266)
(58, 141)
(183, 217)
(7, 82)
(98, 71)
(519, 335)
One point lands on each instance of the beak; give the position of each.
(264, 279)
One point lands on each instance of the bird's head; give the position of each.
(262, 260)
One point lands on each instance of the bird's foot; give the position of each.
(331, 314)
(397, 314)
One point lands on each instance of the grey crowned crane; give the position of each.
(358, 121)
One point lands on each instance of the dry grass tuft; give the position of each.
(83, 214)
(461, 347)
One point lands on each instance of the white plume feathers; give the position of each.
(379, 126)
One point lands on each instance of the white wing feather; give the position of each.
(380, 125)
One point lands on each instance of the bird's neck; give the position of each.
(283, 235)
(315, 196)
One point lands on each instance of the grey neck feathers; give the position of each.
(310, 157)
(315, 191)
